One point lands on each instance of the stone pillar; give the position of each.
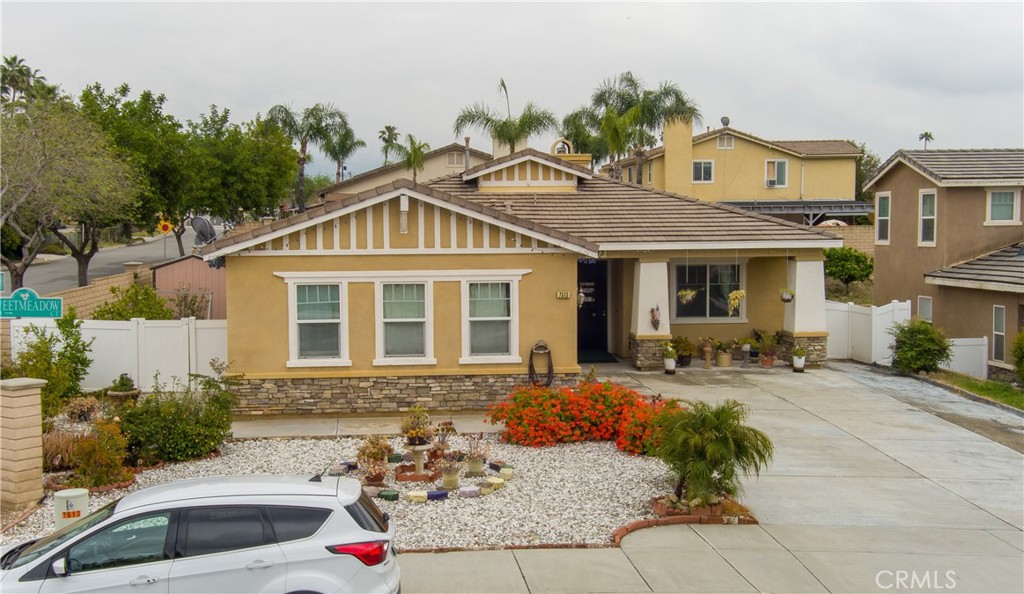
(135, 268)
(805, 322)
(650, 292)
(21, 444)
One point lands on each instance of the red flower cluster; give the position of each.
(637, 433)
(590, 411)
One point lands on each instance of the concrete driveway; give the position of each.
(872, 490)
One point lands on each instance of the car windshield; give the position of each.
(58, 538)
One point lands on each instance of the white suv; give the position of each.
(218, 535)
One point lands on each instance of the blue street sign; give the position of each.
(24, 303)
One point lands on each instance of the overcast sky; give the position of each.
(875, 73)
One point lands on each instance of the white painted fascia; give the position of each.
(523, 159)
(969, 284)
(717, 245)
(499, 274)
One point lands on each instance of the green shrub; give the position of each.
(99, 457)
(82, 409)
(919, 346)
(183, 425)
(135, 301)
(847, 265)
(61, 358)
(1018, 356)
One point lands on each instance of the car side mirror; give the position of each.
(60, 567)
(387, 517)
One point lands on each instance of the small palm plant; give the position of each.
(707, 446)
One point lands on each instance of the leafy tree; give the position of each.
(708, 446)
(919, 346)
(847, 265)
(134, 301)
(411, 154)
(60, 358)
(388, 136)
(312, 185)
(508, 131)
(580, 127)
(314, 126)
(340, 147)
(867, 166)
(1018, 356)
(926, 137)
(58, 166)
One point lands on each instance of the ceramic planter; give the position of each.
(767, 361)
(798, 363)
(450, 481)
(475, 465)
(670, 365)
(723, 359)
(684, 360)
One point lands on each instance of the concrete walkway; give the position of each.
(870, 491)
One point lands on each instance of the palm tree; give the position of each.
(16, 77)
(708, 445)
(508, 131)
(388, 136)
(926, 137)
(315, 125)
(340, 147)
(411, 153)
(580, 128)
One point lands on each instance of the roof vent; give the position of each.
(725, 121)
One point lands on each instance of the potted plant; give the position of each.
(123, 389)
(476, 454)
(786, 295)
(735, 299)
(768, 344)
(723, 354)
(444, 430)
(375, 448)
(375, 470)
(799, 358)
(416, 427)
(668, 355)
(449, 466)
(685, 350)
(686, 296)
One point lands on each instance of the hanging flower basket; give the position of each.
(735, 299)
(787, 295)
(686, 296)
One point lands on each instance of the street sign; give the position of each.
(24, 303)
(164, 227)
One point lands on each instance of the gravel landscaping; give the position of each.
(567, 494)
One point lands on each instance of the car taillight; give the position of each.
(370, 553)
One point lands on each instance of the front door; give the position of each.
(592, 317)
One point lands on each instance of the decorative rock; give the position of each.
(437, 495)
(485, 487)
(496, 465)
(469, 491)
(407, 457)
(395, 459)
(337, 470)
(506, 473)
(416, 496)
(372, 491)
(388, 495)
(496, 483)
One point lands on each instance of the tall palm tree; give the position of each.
(509, 131)
(411, 154)
(314, 126)
(388, 136)
(708, 446)
(16, 77)
(581, 128)
(926, 137)
(340, 147)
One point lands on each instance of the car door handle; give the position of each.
(260, 565)
(142, 581)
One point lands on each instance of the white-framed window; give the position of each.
(703, 172)
(490, 321)
(926, 218)
(317, 331)
(998, 332)
(726, 142)
(713, 281)
(650, 172)
(1002, 206)
(883, 204)
(456, 159)
(924, 308)
(776, 173)
(405, 323)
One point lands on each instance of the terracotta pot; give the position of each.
(375, 480)
(767, 361)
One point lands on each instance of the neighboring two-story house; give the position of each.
(801, 180)
(948, 237)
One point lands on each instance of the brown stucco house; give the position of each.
(440, 293)
(948, 231)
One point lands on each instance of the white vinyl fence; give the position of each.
(143, 348)
(970, 356)
(862, 333)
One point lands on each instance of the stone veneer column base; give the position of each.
(646, 353)
(389, 394)
(817, 349)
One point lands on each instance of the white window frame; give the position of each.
(650, 172)
(888, 218)
(673, 269)
(513, 332)
(428, 324)
(342, 360)
(776, 161)
(921, 300)
(455, 159)
(920, 218)
(726, 142)
(1015, 219)
(996, 331)
(702, 162)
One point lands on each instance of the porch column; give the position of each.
(650, 295)
(805, 319)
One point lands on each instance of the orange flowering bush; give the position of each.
(589, 411)
(638, 427)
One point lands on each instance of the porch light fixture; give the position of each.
(581, 298)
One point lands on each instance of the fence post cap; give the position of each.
(22, 383)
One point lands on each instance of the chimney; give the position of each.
(465, 154)
(677, 138)
(498, 149)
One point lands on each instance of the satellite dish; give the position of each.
(725, 121)
(205, 233)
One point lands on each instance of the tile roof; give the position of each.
(1002, 267)
(527, 152)
(386, 168)
(961, 166)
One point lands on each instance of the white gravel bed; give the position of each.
(567, 494)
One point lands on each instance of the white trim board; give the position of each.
(524, 158)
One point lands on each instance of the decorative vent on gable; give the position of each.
(456, 159)
(726, 141)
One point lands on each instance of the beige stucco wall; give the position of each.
(258, 320)
(952, 305)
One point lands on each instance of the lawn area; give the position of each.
(993, 390)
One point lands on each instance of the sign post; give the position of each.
(25, 303)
